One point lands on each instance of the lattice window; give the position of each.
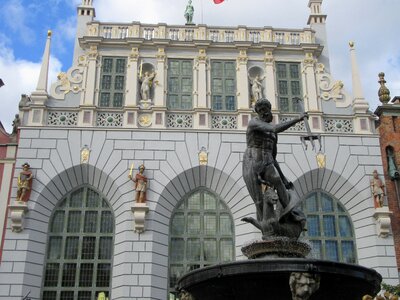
(329, 228)
(112, 82)
(224, 122)
(201, 234)
(179, 121)
(105, 119)
(79, 248)
(338, 125)
(180, 84)
(223, 85)
(289, 86)
(62, 118)
(298, 127)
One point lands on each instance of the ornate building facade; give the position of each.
(177, 99)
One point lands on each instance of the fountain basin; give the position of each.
(269, 279)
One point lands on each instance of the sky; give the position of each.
(372, 25)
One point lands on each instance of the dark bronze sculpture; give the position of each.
(274, 197)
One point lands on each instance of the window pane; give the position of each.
(225, 224)
(217, 103)
(103, 275)
(51, 275)
(313, 226)
(210, 250)
(85, 295)
(92, 199)
(229, 86)
(230, 70)
(66, 295)
(281, 71)
(71, 247)
(348, 252)
(106, 82)
(216, 69)
(120, 66)
(175, 272)
(284, 104)
(316, 249)
(311, 203)
(68, 276)
(74, 221)
(57, 224)
(54, 250)
(345, 227)
(177, 249)
(88, 247)
(230, 103)
(294, 71)
(107, 65)
(178, 224)
(187, 68)
(331, 250)
(283, 87)
(217, 85)
(186, 102)
(194, 201)
(193, 223)
(76, 199)
(119, 83)
(105, 99)
(86, 275)
(105, 248)
(327, 203)
(186, 85)
(210, 202)
(329, 226)
(174, 68)
(90, 222)
(106, 222)
(193, 249)
(118, 99)
(49, 295)
(295, 85)
(210, 224)
(226, 248)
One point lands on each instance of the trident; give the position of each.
(310, 136)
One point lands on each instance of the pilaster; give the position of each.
(311, 97)
(242, 85)
(200, 99)
(88, 96)
(159, 82)
(269, 82)
(132, 78)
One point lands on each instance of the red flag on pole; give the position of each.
(218, 1)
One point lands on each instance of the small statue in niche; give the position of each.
(140, 184)
(16, 123)
(24, 183)
(377, 188)
(189, 12)
(146, 84)
(256, 87)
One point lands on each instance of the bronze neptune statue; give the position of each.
(274, 196)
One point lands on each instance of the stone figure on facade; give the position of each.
(377, 189)
(303, 285)
(189, 12)
(146, 84)
(256, 87)
(274, 197)
(24, 183)
(140, 181)
(16, 124)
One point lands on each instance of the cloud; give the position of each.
(20, 77)
(14, 16)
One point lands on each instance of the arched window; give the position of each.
(329, 228)
(201, 234)
(79, 248)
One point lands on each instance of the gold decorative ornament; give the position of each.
(85, 155)
(49, 33)
(321, 160)
(203, 156)
(144, 120)
(351, 44)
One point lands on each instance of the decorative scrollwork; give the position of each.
(179, 121)
(338, 125)
(67, 82)
(224, 122)
(106, 119)
(62, 118)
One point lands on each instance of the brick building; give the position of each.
(388, 127)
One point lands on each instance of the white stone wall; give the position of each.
(171, 158)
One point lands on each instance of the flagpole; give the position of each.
(202, 22)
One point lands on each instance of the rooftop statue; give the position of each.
(274, 196)
(189, 12)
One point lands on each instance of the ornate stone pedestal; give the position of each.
(17, 214)
(139, 214)
(382, 217)
(145, 104)
(276, 247)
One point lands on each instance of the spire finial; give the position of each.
(383, 92)
(44, 71)
(360, 105)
